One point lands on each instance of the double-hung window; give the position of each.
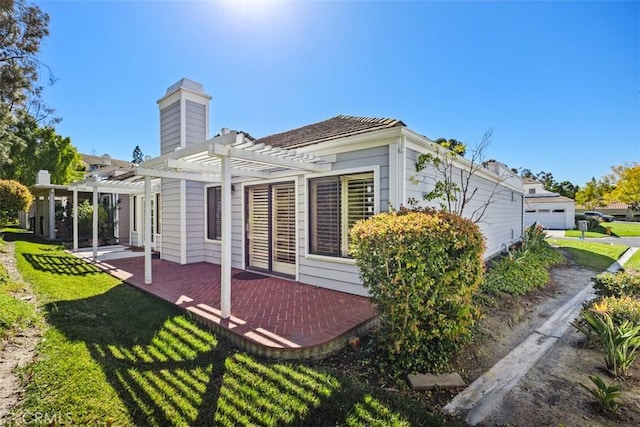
(214, 213)
(335, 204)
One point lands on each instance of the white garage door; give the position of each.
(554, 220)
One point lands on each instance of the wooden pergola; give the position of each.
(224, 159)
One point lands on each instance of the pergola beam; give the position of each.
(185, 165)
(191, 176)
(267, 159)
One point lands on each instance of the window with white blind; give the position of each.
(335, 204)
(214, 213)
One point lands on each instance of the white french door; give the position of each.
(270, 228)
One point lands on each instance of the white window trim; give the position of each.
(351, 171)
(206, 214)
(296, 181)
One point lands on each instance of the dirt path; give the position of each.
(19, 350)
(550, 393)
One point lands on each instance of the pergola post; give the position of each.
(52, 214)
(225, 261)
(147, 231)
(75, 219)
(95, 222)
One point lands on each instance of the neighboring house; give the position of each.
(51, 198)
(549, 209)
(617, 209)
(293, 195)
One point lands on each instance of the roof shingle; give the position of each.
(333, 128)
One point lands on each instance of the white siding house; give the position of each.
(294, 195)
(549, 209)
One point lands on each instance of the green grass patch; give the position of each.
(633, 262)
(589, 234)
(112, 355)
(618, 228)
(15, 314)
(591, 255)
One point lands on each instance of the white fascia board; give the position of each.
(353, 143)
(424, 145)
(267, 159)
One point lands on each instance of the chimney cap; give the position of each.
(185, 83)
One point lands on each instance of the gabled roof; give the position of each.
(106, 165)
(333, 128)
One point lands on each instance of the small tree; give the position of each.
(627, 185)
(592, 194)
(137, 155)
(453, 187)
(14, 197)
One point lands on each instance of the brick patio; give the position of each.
(269, 316)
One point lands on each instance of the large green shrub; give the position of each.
(14, 197)
(618, 284)
(421, 268)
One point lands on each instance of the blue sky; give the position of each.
(559, 82)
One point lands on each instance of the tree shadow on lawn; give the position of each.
(27, 236)
(588, 259)
(62, 265)
(168, 371)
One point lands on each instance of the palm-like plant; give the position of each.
(618, 343)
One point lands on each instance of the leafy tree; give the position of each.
(22, 28)
(14, 197)
(526, 173)
(593, 194)
(454, 145)
(547, 179)
(627, 184)
(453, 186)
(137, 155)
(40, 148)
(566, 188)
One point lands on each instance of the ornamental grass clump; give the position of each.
(421, 268)
(618, 342)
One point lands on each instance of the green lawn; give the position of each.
(112, 355)
(618, 228)
(595, 256)
(634, 262)
(15, 313)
